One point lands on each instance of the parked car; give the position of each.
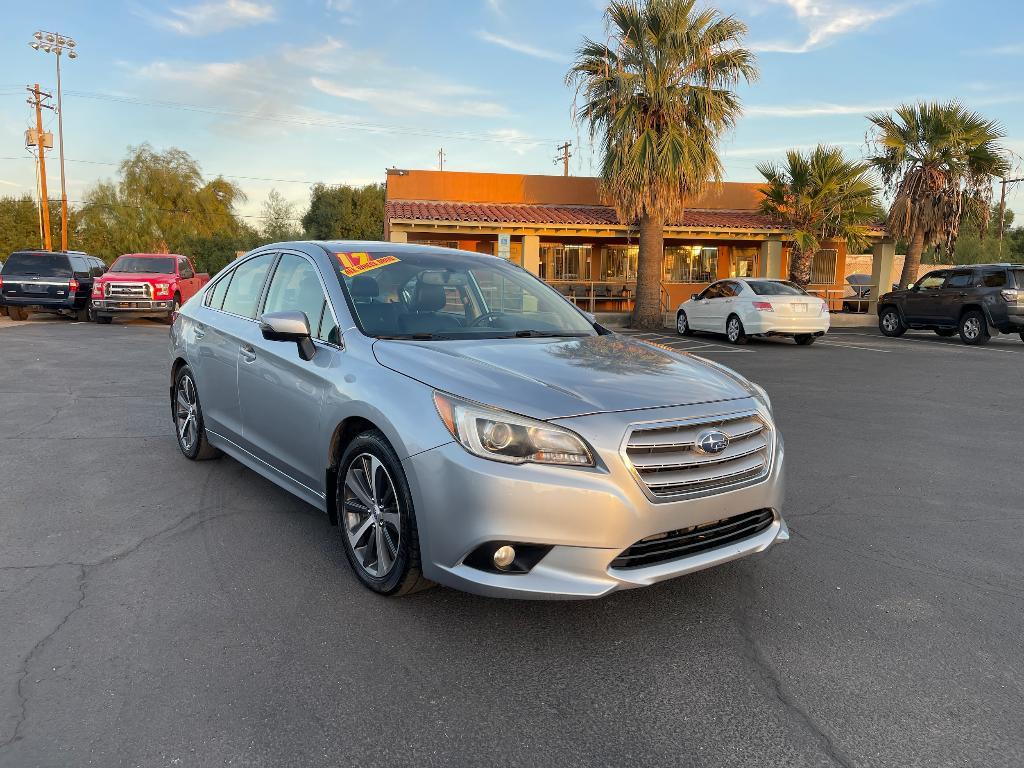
(745, 307)
(56, 282)
(858, 293)
(146, 285)
(464, 423)
(974, 301)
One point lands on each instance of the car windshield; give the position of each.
(138, 264)
(44, 264)
(434, 294)
(775, 288)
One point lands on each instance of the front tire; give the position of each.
(188, 419)
(890, 323)
(734, 330)
(974, 329)
(805, 339)
(683, 325)
(376, 517)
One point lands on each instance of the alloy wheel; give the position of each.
(972, 328)
(733, 330)
(889, 321)
(681, 323)
(372, 515)
(186, 413)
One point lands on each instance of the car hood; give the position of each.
(136, 277)
(558, 378)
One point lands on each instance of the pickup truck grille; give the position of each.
(669, 462)
(129, 290)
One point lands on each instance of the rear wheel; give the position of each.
(804, 339)
(890, 323)
(188, 419)
(734, 330)
(946, 332)
(974, 328)
(17, 314)
(377, 520)
(683, 325)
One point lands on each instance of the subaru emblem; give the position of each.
(712, 441)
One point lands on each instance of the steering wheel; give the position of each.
(488, 316)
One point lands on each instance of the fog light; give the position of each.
(504, 556)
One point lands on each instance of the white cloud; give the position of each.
(813, 110)
(515, 141)
(1006, 50)
(826, 20)
(518, 47)
(496, 7)
(434, 99)
(215, 16)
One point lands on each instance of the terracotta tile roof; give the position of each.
(581, 215)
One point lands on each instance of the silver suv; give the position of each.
(463, 423)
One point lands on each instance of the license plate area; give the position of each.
(800, 309)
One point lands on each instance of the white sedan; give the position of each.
(744, 307)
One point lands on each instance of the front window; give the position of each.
(743, 262)
(775, 288)
(435, 295)
(564, 262)
(620, 263)
(690, 264)
(932, 281)
(139, 264)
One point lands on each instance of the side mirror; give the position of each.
(693, 297)
(289, 326)
(591, 317)
(911, 286)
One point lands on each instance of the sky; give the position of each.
(278, 94)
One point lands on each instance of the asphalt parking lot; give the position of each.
(158, 612)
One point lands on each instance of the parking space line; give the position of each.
(665, 340)
(935, 344)
(855, 346)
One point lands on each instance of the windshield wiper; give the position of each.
(547, 334)
(412, 337)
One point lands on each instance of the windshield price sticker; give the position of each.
(353, 264)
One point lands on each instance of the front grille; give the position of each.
(129, 290)
(673, 545)
(669, 462)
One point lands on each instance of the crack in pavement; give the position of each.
(754, 654)
(86, 570)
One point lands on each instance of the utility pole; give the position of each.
(563, 157)
(55, 43)
(40, 141)
(1002, 209)
(440, 159)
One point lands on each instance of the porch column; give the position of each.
(770, 264)
(398, 236)
(531, 253)
(883, 254)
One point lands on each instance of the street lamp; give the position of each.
(57, 44)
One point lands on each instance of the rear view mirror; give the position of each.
(446, 277)
(289, 326)
(693, 297)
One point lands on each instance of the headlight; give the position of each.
(761, 395)
(163, 289)
(501, 436)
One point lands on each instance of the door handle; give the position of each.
(963, 294)
(248, 354)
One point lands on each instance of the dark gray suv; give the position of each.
(974, 301)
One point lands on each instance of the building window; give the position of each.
(743, 262)
(691, 264)
(619, 263)
(565, 262)
(823, 267)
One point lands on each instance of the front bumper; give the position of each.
(141, 307)
(588, 517)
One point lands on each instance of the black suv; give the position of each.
(973, 300)
(49, 281)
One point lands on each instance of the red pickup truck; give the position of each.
(145, 285)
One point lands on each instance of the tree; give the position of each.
(822, 197)
(159, 203)
(937, 163)
(657, 96)
(345, 213)
(20, 227)
(278, 221)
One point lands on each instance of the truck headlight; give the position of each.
(502, 436)
(162, 289)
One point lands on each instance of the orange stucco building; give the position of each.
(559, 228)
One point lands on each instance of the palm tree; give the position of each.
(657, 96)
(937, 162)
(822, 197)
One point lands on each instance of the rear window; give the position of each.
(775, 288)
(138, 264)
(44, 264)
(993, 278)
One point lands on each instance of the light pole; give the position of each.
(56, 43)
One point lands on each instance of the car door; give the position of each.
(952, 295)
(699, 313)
(924, 301)
(719, 305)
(281, 394)
(187, 281)
(226, 322)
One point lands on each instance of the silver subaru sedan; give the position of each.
(463, 423)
